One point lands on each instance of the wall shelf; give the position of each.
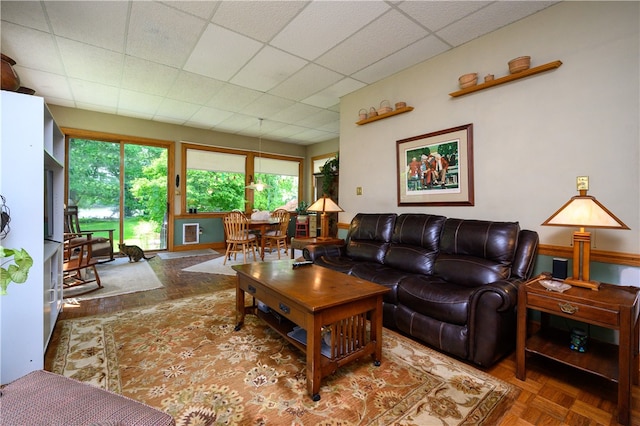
(386, 115)
(507, 78)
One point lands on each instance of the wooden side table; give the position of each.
(614, 307)
(300, 243)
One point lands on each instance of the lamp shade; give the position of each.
(324, 204)
(585, 211)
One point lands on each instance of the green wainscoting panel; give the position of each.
(211, 230)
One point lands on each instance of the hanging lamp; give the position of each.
(259, 186)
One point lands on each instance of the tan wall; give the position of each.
(532, 137)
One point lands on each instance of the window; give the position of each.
(216, 180)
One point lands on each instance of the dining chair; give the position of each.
(277, 237)
(238, 237)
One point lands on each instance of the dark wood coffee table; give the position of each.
(331, 306)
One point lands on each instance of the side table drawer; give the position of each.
(578, 311)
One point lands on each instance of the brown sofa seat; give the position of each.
(44, 398)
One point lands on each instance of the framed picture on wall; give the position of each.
(436, 168)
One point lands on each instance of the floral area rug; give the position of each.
(185, 358)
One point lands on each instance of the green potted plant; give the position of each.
(16, 272)
(301, 210)
(329, 172)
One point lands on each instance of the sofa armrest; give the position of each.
(507, 290)
(316, 251)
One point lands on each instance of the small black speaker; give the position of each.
(559, 269)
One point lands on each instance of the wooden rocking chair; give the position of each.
(79, 266)
(102, 244)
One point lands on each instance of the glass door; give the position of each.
(121, 186)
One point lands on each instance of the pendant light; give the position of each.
(259, 186)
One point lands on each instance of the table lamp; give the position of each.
(324, 205)
(583, 211)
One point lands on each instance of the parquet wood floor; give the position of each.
(551, 395)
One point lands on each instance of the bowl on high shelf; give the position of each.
(519, 64)
(468, 80)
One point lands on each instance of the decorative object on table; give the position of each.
(329, 172)
(400, 105)
(448, 179)
(488, 77)
(385, 107)
(519, 64)
(362, 114)
(578, 340)
(373, 112)
(468, 80)
(583, 211)
(325, 205)
(553, 285)
(10, 78)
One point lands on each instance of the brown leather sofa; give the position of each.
(454, 282)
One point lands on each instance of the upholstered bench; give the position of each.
(44, 398)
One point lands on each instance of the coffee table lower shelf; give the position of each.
(328, 364)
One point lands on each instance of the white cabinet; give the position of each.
(32, 181)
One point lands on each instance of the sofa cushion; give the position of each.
(415, 241)
(470, 271)
(383, 275)
(369, 236)
(433, 297)
(496, 241)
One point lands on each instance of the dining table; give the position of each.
(263, 226)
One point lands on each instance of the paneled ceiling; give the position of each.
(222, 65)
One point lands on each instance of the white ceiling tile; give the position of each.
(319, 119)
(331, 95)
(50, 100)
(140, 103)
(381, 38)
(46, 84)
(209, 117)
(177, 109)
(26, 13)
(287, 131)
(194, 88)
(220, 53)
(94, 93)
(411, 55)
(90, 63)
(99, 23)
(296, 112)
(260, 20)
(147, 77)
(490, 18)
(313, 135)
(266, 106)
(97, 108)
(236, 123)
(200, 8)
(323, 24)
(446, 12)
(309, 80)
(267, 69)
(162, 34)
(233, 98)
(135, 114)
(31, 48)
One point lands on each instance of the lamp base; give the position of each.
(593, 285)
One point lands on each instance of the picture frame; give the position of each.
(436, 168)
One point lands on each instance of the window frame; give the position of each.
(250, 157)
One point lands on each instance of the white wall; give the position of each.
(532, 137)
